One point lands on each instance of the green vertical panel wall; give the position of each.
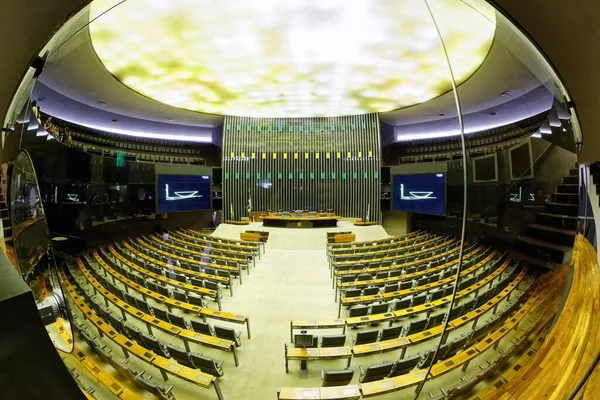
(291, 139)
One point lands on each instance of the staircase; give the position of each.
(549, 241)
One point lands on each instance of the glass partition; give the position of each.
(33, 248)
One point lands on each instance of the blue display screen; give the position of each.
(423, 193)
(183, 193)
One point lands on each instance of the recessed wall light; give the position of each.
(114, 120)
(441, 114)
(506, 93)
(493, 113)
(168, 119)
(101, 102)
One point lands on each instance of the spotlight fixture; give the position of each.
(101, 102)
(493, 113)
(441, 114)
(506, 93)
(114, 120)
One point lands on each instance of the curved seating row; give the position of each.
(202, 255)
(164, 365)
(208, 247)
(403, 381)
(218, 239)
(200, 241)
(156, 248)
(169, 302)
(144, 255)
(399, 247)
(333, 247)
(153, 320)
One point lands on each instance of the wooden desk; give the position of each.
(350, 392)
(250, 237)
(365, 223)
(228, 221)
(301, 222)
(316, 324)
(317, 353)
(389, 385)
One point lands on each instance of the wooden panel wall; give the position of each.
(302, 163)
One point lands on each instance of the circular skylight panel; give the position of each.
(276, 58)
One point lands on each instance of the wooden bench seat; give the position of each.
(317, 353)
(166, 243)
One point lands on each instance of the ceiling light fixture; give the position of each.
(506, 93)
(222, 58)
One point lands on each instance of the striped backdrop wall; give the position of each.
(302, 164)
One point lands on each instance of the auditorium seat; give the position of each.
(390, 288)
(379, 308)
(353, 293)
(436, 319)
(415, 326)
(375, 372)
(229, 334)
(419, 299)
(180, 355)
(152, 343)
(389, 333)
(202, 327)
(207, 365)
(358, 311)
(370, 291)
(333, 340)
(161, 314)
(336, 378)
(405, 365)
(365, 337)
(178, 320)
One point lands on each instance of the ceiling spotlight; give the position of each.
(493, 113)
(441, 114)
(101, 103)
(114, 120)
(168, 119)
(507, 93)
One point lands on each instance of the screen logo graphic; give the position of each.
(187, 194)
(416, 195)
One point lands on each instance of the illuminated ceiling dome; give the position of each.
(293, 58)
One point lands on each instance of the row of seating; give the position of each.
(215, 239)
(409, 253)
(242, 248)
(154, 317)
(430, 287)
(402, 273)
(191, 359)
(180, 302)
(163, 364)
(154, 260)
(338, 247)
(211, 255)
(388, 249)
(204, 246)
(196, 264)
(371, 386)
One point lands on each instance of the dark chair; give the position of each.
(415, 326)
(436, 294)
(161, 314)
(163, 290)
(405, 365)
(131, 300)
(419, 299)
(180, 278)
(178, 320)
(364, 277)
(152, 343)
(352, 293)
(402, 303)
(405, 285)
(395, 273)
(229, 334)
(143, 306)
(212, 286)
(370, 291)
(179, 295)
(207, 365)
(197, 282)
(336, 378)
(180, 355)
(426, 359)
(358, 311)
(376, 372)
(202, 327)
(333, 341)
(390, 288)
(366, 337)
(390, 333)
(151, 286)
(134, 333)
(456, 312)
(379, 308)
(381, 275)
(436, 319)
(195, 300)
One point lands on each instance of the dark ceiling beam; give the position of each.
(567, 34)
(27, 26)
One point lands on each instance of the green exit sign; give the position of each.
(120, 158)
